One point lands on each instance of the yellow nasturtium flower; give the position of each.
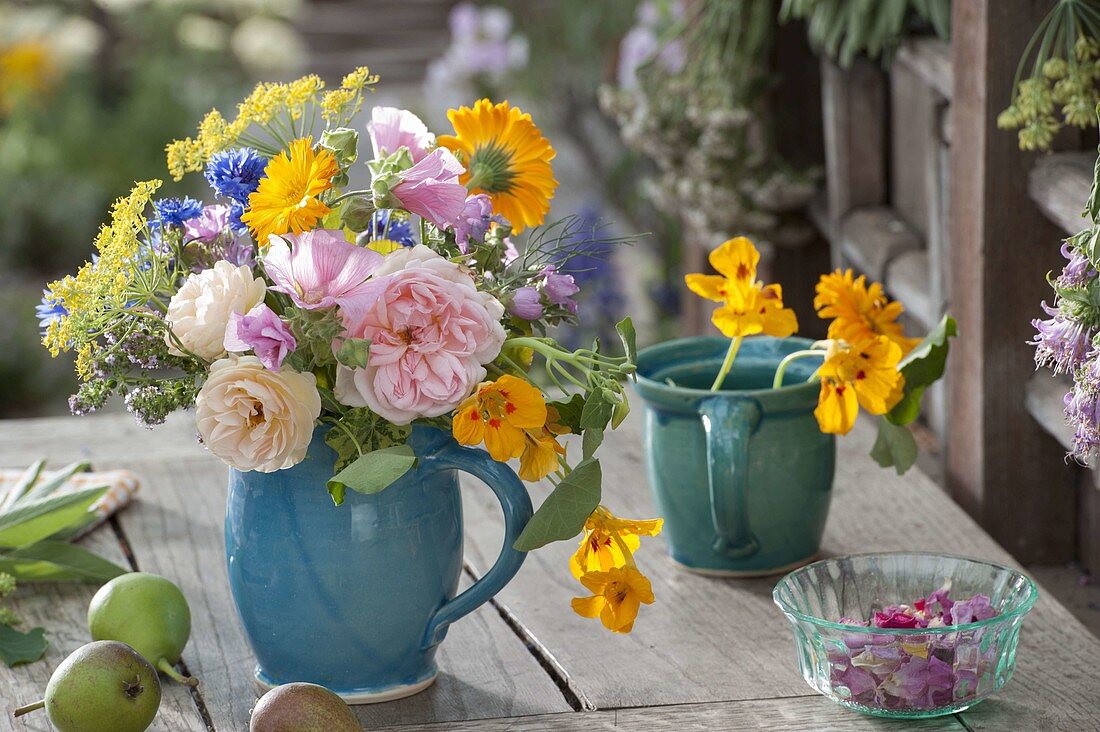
(617, 595)
(542, 451)
(860, 375)
(748, 306)
(608, 541)
(499, 414)
(860, 311)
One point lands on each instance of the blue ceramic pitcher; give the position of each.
(742, 476)
(358, 597)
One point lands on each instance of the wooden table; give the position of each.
(711, 654)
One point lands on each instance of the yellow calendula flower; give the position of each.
(506, 157)
(287, 198)
(542, 451)
(26, 71)
(860, 375)
(859, 311)
(748, 306)
(609, 541)
(617, 595)
(499, 414)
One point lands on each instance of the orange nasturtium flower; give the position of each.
(617, 595)
(499, 414)
(608, 541)
(861, 375)
(287, 198)
(859, 311)
(748, 306)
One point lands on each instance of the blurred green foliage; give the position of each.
(93, 125)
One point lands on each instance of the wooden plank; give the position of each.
(1045, 392)
(62, 609)
(714, 640)
(871, 237)
(1000, 465)
(913, 134)
(930, 59)
(176, 529)
(785, 715)
(1060, 184)
(854, 119)
(907, 279)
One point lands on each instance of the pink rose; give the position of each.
(430, 330)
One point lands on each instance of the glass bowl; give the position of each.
(903, 672)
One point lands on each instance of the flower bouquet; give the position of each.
(293, 304)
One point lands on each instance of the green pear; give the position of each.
(147, 613)
(302, 708)
(103, 686)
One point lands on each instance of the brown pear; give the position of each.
(302, 708)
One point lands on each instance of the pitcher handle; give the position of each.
(729, 424)
(514, 499)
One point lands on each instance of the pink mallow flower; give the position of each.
(322, 270)
(431, 331)
(263, 332)
(431, 188)
(209, 225)
(391, 129)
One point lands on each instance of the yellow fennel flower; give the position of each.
(506, 157)
(617, 595)
(859, 311)
(287, 198)
(748, 306)
(861, 375)
(499, 414)
(608, 541)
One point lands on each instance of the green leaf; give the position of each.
(922, 367)
(362, 431)
(597, 410)
(562, 515)
(569, 412)
(625, 329)
(894, 446)
(54, 481)
(593, 438)
(374, 471)
(21, 486)
(357, 213)
(353, 353)
(58, 561)
(33, 521)
(17, 648)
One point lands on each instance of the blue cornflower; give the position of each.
(236, 210)
(235, 173)
(177, 211)
(49, 310)
(384, 226)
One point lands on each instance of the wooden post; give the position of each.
(1001, 466)
(854, 117)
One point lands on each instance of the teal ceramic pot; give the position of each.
(358, 597)
(742, 476)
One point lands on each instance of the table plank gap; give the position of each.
(573, 694)
(749, 715)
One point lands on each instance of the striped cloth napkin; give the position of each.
(123, 485)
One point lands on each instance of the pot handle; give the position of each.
(516, 502)
(729, 424)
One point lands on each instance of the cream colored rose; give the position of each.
(255, 419)
(199, 312)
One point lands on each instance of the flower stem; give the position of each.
(791, 357)
(731, 354)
